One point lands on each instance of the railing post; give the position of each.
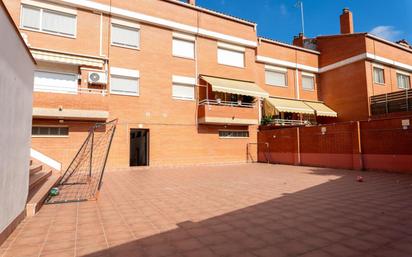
(91, 154)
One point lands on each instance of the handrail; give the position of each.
(92, 91)
(226, 103)
(284, 122)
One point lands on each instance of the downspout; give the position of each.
(197, 71)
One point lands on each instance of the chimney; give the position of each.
(346, 22)
(192, 2)
(404, 43)
(298, 40)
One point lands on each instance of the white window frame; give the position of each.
(50, 126)
(187, 38)
(403, 74)
(127, 25)
(57, 72)
(48, 7)
(311, 75)
(184, 81)
(232, 48)
(233, 130)
(127, 74)
(373, 74)
(279, 70)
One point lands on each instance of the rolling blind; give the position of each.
(183, 48)
(230, 57)
(30, 17)
(124, 85)
(275, 78)
(183, 91)
(125, 36)
(55, 82)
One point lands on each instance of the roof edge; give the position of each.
(216, 13)
(288, 45)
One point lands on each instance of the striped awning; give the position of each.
(66, 59)
(287, 105)
(235, 87)
(321, 109)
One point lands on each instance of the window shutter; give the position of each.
(308, 83)
(55, 82)
(30, 17)
(275, 78)
(59, 23)
(183, 91)
(183, 48)
(125, 36)
(124, 85)
(230, 57)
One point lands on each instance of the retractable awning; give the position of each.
(287, 105)
(235, 87)
(54, 113)
(66, 58)
(321, 109)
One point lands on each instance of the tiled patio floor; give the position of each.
(233, 210)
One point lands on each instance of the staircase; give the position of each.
(42, 178)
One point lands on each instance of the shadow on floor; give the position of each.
(341, 217)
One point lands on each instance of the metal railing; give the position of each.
(92, 91)
(285, 122)
(226, 103)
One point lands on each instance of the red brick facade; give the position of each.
(176, 137)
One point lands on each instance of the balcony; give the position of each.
(227, 113)
(395, 102)
(87, 104)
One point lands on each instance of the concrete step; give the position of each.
(38, 178)
(37, 199)
(34, 168)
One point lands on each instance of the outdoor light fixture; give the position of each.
(406, 124)
(323, 130)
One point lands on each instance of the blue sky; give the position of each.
(280, 20)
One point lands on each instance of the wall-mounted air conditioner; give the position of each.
(97, 78)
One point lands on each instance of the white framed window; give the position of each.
(403, 80)
(231, 55)
(49, 21)
(378, 75)
(308, 81)
(55, 82)
(233, 133)
(49, 131)
(124, 81)
(276, 76)
(183, 46)
(183, 88)
(125, 34)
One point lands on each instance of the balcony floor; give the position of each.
(230, 210)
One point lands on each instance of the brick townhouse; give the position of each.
(188, 85)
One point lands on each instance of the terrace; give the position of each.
(231, 210)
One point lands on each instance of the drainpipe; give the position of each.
(297, 83)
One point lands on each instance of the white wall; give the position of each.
(16, 88)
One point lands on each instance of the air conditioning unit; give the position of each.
(97, 78)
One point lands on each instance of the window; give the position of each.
(125, 36)
(378, 75)
(403, 80)
(183, 87)
(233, 134)
(38, 131)
(308, 82)
(45, 81)
(276, 77)
(231, 55)
(124, 85)
(182, 91)
(51, 21)
(183, 48)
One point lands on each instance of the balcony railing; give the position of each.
(400, 101)
(92, 91)
(285, 122)
(227, 113)
(226, 103)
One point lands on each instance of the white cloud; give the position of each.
(386, 32)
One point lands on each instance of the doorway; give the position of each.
(139, 147)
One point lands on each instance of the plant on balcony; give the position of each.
(267, 120)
